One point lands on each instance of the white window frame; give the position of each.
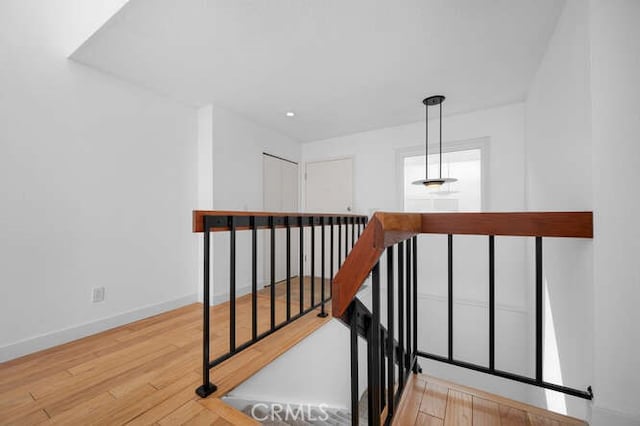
(451, 146)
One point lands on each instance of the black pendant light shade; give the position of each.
(434, 182)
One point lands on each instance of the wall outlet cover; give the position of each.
(98, 295)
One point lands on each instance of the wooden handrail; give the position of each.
(520, 224)
(386, 229)
(198, 215)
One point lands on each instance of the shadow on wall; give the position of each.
(568, 324)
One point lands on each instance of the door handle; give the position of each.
(348, 208)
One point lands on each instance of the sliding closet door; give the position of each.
(280, 189)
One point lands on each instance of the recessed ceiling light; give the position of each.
(290, 114)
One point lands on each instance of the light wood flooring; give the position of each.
(428, 401)
(146, 372)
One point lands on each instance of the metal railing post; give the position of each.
(313, 262)
(492, 304)
(450, 294)
(355, 396)
(288, 262)
(232, 284)
(272, 292)
(416, 367)
(301, 266)
(207, 387)
(390, 332)
(254, 279)
(401, 314)
(539, 312)
(373, 350)
(322, 313)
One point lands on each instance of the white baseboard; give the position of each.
(48, 340)
(605, 417)
(241, 290)
(224, 297)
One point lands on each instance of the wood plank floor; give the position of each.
(430, 401)
(146, 372)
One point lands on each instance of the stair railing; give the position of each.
(207, 222)
(397, 233)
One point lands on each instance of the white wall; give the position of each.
(315, 371)
(376, 187)
(374, 156)
(238, 144)
(236, 170)
(97, 178)
(558, 117)
(558, 165)
(582, 116)
(615, 97)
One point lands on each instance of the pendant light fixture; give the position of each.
(431, 101)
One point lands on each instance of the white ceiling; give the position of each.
(343, 66)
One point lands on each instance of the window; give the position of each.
(465, 164)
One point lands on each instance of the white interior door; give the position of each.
(329, 186)
(280, 194)
(328, 189)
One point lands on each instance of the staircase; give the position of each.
(392, 349)
(145, 372)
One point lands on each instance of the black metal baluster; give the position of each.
(353, 232)
(288, 225)
(254, 279)
(301, 272)
(390, 331)
(355, 396)
(383, 370)
(538, 380)
(450, 293)
(492, 304)
(273, 272)
(313, 262)
(408, 286)
(207, 387)
(346, 237)
(401, 316)
(232, 284)
(373, 352)
(539, 312)
(322, 313)
(339, 242)
(415, 303)
(331, 256)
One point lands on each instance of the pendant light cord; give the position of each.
(440, 140)
(426, 142)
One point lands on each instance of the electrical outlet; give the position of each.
(98, 295)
